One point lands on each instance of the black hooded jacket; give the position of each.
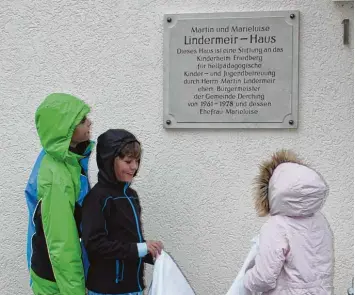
(111, 224)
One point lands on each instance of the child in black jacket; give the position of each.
(111, 221)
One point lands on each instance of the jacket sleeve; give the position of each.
(58, 202)
(147, 258)
(270, 259)
(95, 237)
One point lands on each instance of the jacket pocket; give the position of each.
(119, 271)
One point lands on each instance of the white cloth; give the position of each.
(237, 287)
(168, 279)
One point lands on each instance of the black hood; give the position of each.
(109, 145)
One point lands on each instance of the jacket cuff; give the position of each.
(142, 249)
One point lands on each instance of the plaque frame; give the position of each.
(290, 120)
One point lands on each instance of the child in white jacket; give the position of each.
(296, 244)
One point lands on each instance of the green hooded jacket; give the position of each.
(58, 189)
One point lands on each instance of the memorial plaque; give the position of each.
(231, 70)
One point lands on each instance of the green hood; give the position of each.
(56, 119)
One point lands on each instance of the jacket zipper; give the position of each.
(117, 271)
(138, 231)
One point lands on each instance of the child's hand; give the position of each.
(154, 248)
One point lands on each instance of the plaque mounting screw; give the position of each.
(168, 122)
(169, 19)
(290, 122)
(292, 16)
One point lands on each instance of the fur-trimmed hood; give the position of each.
(286, 186)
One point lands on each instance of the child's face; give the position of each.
(125, 168)
(82, 131)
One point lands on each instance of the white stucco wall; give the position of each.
(195, 185)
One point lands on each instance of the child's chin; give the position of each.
(128, 179)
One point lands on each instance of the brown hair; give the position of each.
(132, 150)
